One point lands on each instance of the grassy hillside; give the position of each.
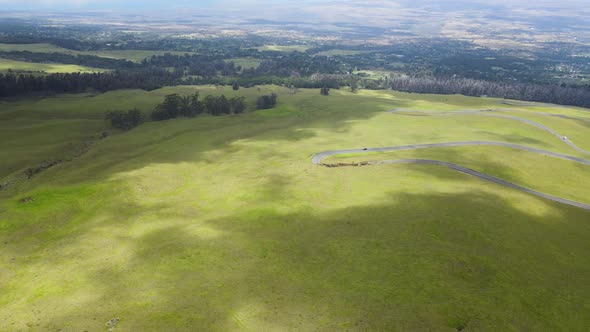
(245, 63)
(40, 48)
(132, 55)
(223, 223)
(339, 53)
(6, 64)
(284, 48)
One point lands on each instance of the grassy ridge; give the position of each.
(6, 64)
(339, 53)
(223, 223)
(41, 48)
(284, 48)
(245, 63)
(132, 55)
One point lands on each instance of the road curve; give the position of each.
(490, 178)
(491, 113)
(317, 159)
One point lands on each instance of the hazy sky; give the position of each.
(58, 5)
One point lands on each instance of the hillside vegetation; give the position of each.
(223, 222)
(6, 64)
(132, 55)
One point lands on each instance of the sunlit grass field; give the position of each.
(132, 55)
(40, 48)
(284, 48)
(339, 53)
(223, 223)
(6, 64)
(245, 63)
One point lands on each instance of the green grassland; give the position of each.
(132, 55)
(223, 223)
(246, 63)
(374, 74)
(284, 48)
(339, 53)
(39, 48)
(6, 64)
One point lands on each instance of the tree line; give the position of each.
(150, 78)
(12, 84)
(125, 120)
(554, 94)
(175, 105)
(79, 59)
(266, 102)
(194, 64)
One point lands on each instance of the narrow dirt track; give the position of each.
(317, 159)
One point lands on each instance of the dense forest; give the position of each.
(428, 65)
(152, 78)
(82, 60)
(555, 94)
(12, 84)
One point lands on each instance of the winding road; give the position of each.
(317, 159)
(491, 113)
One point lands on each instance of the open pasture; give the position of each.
(224, 223)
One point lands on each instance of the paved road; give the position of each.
(533, 104)
(317, 159)
(490, 178)
(491, 113)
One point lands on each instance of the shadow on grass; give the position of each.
(420, 262)
(456, 155)
(514, 138)
(192, 140)
(581, 121)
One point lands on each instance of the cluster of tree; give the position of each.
(12, 84)
(196, 64)
(125, 120)
(438, 57)
(266, 101)
(300, 82)
(175, 105)
(82, 60)
(556, 94)
(222, 105)
(435, 66)
(297, 64)
(86, 38)
(148, 79)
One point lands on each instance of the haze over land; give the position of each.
(518, 24)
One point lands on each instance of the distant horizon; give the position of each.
(228, 6)
(379, 13)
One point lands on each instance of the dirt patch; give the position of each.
(363, 163)
(30, 172)
(112, 323)
(5, 185)
(26, 200)
(76, 152)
